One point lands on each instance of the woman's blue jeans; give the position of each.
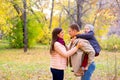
(87, 75)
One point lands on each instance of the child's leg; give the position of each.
(85, 61)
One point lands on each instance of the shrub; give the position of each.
(110, 43)
(46, 38)
(34, 32)
(16, 36)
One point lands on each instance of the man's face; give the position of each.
(71, 32)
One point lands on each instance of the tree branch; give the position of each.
(70, 15)
(118, 4)
(17, 8)
(88, 8)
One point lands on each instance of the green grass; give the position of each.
(14, 63)
(34, 65)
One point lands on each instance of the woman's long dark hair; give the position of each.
(55, 32)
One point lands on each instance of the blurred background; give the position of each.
(25, 35)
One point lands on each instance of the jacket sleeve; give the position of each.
(62, 50)
(85, 35)
(87, 48)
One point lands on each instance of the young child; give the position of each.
(89, 35)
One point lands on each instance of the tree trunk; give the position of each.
(51, 14)
(79, 12)
(25, 26)
(23, 18)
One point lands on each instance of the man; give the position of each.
(77, 58)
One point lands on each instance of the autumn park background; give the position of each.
(25, 35)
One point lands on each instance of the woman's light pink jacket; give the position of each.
(58, 59)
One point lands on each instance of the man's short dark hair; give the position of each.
(74, 27)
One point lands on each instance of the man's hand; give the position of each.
(86, 68)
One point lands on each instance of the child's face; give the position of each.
(86, 29)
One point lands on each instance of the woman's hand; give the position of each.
(79, 44)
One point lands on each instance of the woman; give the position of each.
(59, 54)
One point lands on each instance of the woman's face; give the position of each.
(61, 34)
